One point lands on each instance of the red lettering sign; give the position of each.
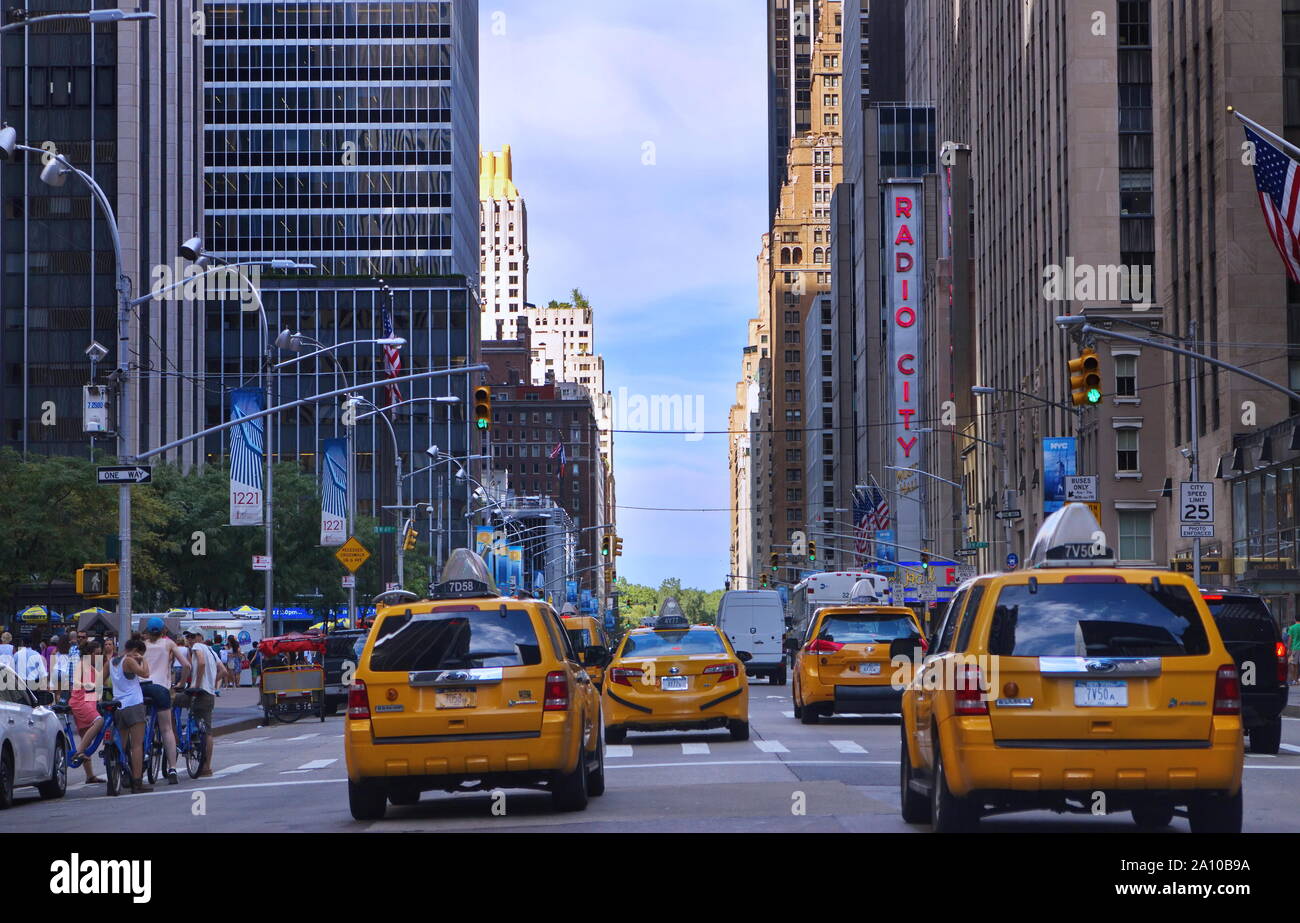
(904, 236)
(902, 207)
(902, 262)
(905, 316)
(906, 357)
(907, 446)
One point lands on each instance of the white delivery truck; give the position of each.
(754, 621)
(832, 588)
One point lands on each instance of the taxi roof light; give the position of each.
(1068, 538)
(464, 565)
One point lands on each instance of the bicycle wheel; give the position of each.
(292, 714)
(153, 759)
(113, 769)
(194, 752)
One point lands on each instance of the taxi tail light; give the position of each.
(968, 697)
(724, 671)
(358, 700)
(1281, 662)
(1227, 690)
(624, 675)
(925, 646)
(557, 692)
(824, 647)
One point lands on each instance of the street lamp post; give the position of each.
(961, 489)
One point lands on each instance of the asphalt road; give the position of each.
(838, 775)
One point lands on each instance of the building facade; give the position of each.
(123, 103)
(503, 243)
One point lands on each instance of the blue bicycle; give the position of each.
(117, 773)
(191, 733)
(153, 744)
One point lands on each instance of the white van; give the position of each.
(754, 621)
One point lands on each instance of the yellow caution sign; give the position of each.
(352, 554)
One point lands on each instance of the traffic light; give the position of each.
(604, 546)
(1085, 378)
(618, 547)
(409, 535)
(812, 550)
(762, 581)
(97, 581)
(775, 561)
(483, 406)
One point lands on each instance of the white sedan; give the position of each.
(33, 746)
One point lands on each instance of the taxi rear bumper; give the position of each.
(873, 700)
(974, 762)
(703, 709)
(427, 759)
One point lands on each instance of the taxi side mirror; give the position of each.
(744, 656)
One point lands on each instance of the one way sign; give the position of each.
(125, 474)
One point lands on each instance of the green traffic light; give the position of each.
(482, 423)
(1094, 395)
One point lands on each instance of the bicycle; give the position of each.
(191, 734)
(117, 773)
(153, 744)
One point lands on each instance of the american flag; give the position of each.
(880, 510)
(558, 452)
(1279, 191)
(870, 513)
(392, 355)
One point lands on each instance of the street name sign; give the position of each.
(352, 554)
(124, 474)
(1081, 488)
(261, 562)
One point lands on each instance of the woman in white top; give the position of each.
(127, 671)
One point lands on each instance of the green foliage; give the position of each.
(183, 551)
(637, 602)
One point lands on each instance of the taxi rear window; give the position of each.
(1243, 618)
(859, 629)
(456, 639)
(580, 638)
(1096, 620)
(674, 642)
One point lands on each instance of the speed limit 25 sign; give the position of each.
(1196, 502)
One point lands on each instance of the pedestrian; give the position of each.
(110, 651)
(62, 670)
(160, 652)
(1293, 635)
(7, 649)
(49, 650)
(84, 704)
(203, 686)
(235, 661)
(128, 670)
(29, 665)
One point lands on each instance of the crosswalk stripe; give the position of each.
(617, 751)
(232, 770)
(1291, 748)
(788, 714)
(247, 740)
(847, 746)
(317, 764)
(771, 746)
(305, 736)
(694, 749)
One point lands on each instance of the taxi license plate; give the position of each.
(674, 683)
(870, 669)
(1090, 693)
(464, 698)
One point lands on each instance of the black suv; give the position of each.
(341, 647)
(1253, 638)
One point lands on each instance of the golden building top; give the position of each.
(494, 175)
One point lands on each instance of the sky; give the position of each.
(638, 133)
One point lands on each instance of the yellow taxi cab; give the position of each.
(1071, 686)
(588, 638)
(675, 676)
(855, 659)
(470, 691)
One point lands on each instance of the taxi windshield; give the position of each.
(859, 629)
(457, 639)
(674, 642)
(1096, 620)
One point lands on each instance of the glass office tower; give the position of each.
(345, 135)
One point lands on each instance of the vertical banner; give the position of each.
(1058, 464)
(904, 219)
(516, 566)
(247, 445)
(334, 493)
(483, 542)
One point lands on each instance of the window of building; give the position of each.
(1126, 449)
(1134, 535)
(1125, 376)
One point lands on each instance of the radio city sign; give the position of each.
(903, 281)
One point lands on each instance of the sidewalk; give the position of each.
(1292, 709)
(236, 710)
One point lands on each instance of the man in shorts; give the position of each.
(203, 682)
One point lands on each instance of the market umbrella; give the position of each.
(245, 610)
(94, 619)
(37, 614)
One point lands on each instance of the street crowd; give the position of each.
(82, 671)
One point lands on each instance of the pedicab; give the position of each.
(293, 676)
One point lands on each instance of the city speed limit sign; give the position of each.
(1196, 502)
